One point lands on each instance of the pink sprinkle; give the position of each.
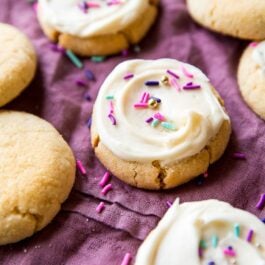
(186, 72)
(146, 98)
(173, 82)
(140, 105)
(127, 259)
(169, 204)
(111, 107)
(238, 155)
(261, 203)
(159, 116)
(128, 76)
(105, 179)
(80, 167)
(143, 97)
(93, 4)
(250, 235)
(229, 252)
(106, 189)
(253, 44)
(205, 174)
(100, 207)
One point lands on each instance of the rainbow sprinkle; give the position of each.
(74, 59)
(168, 126)
(80, 166)
(154, 123)
(106, 189)
(112, 119)
(105, 179)
(173, 74)
(229, 252)
(237, 230)
(109, 97)
(214, 241)
(127, 259)
(100, 207)
(250, 235)
(128, 76)
(186, 72)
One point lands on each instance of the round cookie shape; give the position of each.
(251, 77)
(96, 27)
(37, 171)
(205, 232)
(158, 123)
(241, 18)
(17, 63)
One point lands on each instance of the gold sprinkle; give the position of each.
(152, 103)
(165, 80)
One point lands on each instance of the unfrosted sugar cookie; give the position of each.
(99, 27)
(205, 233)
(37, 170)
(251, 77)
(239, 18)
(157, 124)
(17, 63)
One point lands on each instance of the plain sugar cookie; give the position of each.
(37, 171)
(205, 233)
(96, 27)
(251, 77)
(158, 123)
(239, 18)
(17, 63)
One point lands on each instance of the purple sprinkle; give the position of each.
(87, 97)
(151, 83)
(158, 100)
(263, 220)
(211, 263)
(112, 118)
(169, 204)
(238, 155)
(250, 235)
(83, 6)
(189, 84)
(89, 122)
(191, 87)
(89, 75)
(230, 247)
(149, 120)
(172, 74)
(80, 83)
(128, 76)
(261, 202)
(125, 53)
(200, 252)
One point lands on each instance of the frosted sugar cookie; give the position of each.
(251, 77)
(99, 27)
(17, 63)
(240, 18)
(157, 124)
(37, 170)
(205, 233)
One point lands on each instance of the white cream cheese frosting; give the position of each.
(205, 233)
(103, 17)
(192, 116)
(258, 55)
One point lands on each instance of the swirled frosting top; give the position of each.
(258, 54)
(163, 110)
(205, 233)
(90, 18)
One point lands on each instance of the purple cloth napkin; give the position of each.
(78, 235)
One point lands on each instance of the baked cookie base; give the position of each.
(154, 176)
(242, 19)
(251, 82)
(105, 44)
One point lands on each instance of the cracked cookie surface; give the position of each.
(241, 18)
(143, 151)
(37, 170)
(17, 63)
(251, 77)
(102, 34)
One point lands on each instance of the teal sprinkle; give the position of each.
(214, 241)
(237, 230)
(75, 60)
(154, 123)
(109, 97)
(203, 244)
(98, 59)
(168, 125)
